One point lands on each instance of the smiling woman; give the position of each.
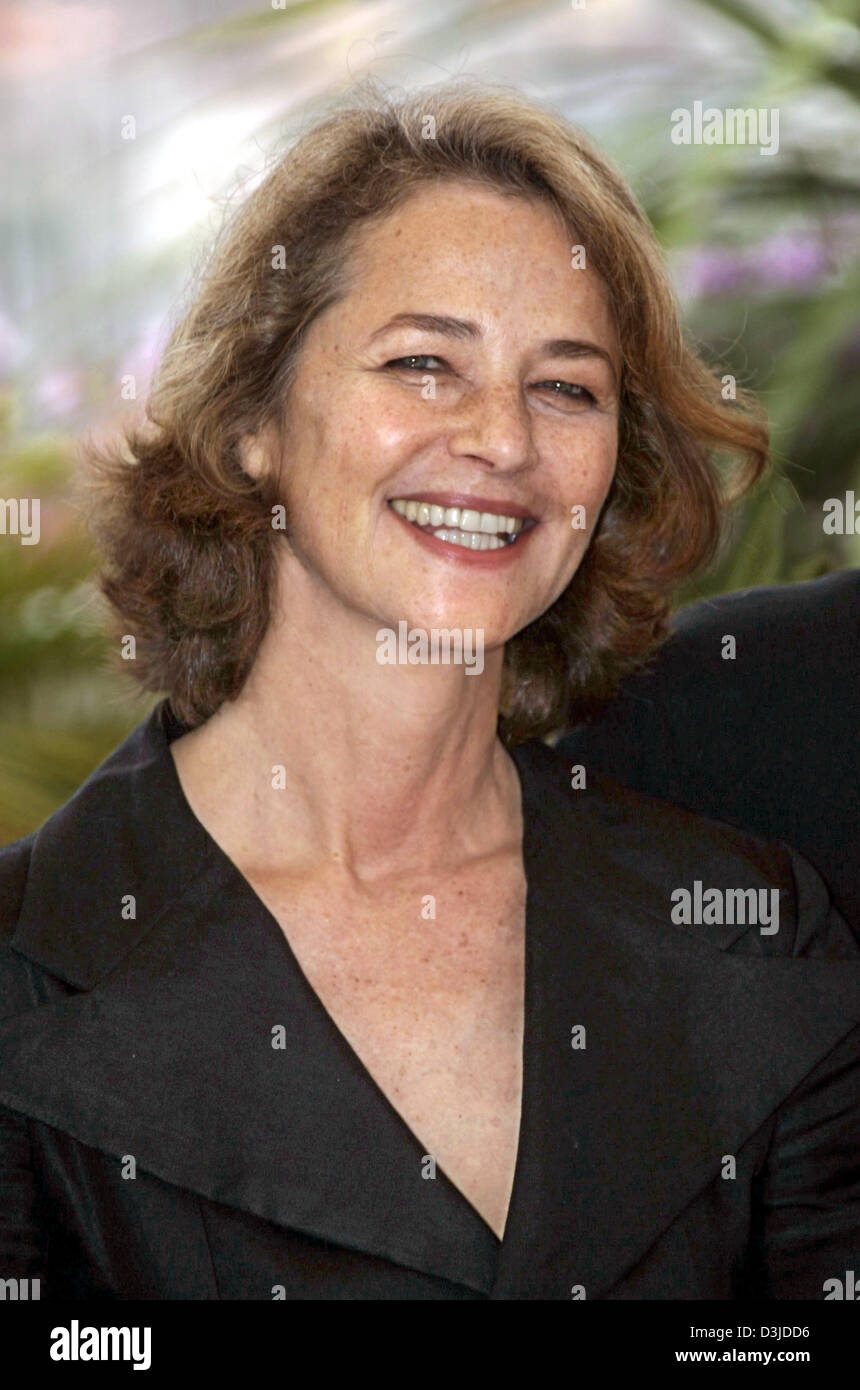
(496, 188)
(333, 957)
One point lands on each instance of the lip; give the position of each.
(458, 554)
(498, 506)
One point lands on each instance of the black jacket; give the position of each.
(137, 1039)
(767, 741)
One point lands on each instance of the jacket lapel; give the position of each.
(690, 1043)
(168, 1055)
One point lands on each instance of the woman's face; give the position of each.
(505, 409)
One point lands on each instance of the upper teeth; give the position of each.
(463, 518)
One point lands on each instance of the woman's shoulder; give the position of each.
(24, 984)
(102, 800)
(98, 801)
(64, 888)
(14, 867)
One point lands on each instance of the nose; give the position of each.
(491, 424)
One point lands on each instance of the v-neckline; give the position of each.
(315, 1003)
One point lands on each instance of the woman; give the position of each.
(334, 981)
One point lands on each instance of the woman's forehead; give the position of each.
(463, 214)
(472, 254)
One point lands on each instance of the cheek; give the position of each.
(366, 442)
(601, 479)
(587, 483)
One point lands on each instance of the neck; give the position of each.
(384, 766)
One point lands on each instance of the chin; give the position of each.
(496, 628)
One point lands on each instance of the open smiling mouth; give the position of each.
(463, 526)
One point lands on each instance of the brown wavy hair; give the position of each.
(187, 538)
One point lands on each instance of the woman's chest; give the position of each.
(426, 983)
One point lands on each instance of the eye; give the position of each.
(406, 361)
(568, 388)
(571, 390)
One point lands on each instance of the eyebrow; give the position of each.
(466, 330)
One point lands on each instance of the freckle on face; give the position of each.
(504, 264)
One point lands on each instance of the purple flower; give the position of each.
(712, 270)
(790, 260)
(58, 392)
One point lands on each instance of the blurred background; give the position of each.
(126, 130)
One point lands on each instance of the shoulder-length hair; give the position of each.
(187, 536)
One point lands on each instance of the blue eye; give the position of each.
(568, 388)
(572, 390)
(419, 357)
